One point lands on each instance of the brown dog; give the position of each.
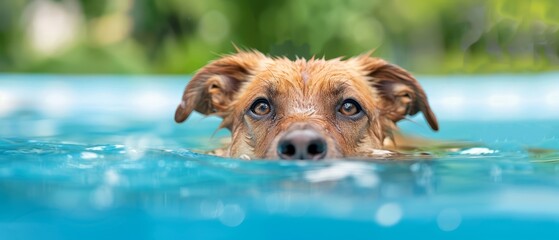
(305, 109)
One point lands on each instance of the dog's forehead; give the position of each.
(283, 76)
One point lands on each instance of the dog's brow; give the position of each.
(271, 90)
(339, 88)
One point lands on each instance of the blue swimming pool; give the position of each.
(89, 157)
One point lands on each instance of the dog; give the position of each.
(277, 108)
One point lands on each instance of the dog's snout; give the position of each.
(302, 144)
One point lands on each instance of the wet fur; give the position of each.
(305, 94)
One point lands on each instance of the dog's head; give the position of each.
(305, 109)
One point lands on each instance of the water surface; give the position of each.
(96, 157)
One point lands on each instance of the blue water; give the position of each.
(100, 157)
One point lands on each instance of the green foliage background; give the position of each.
(180, 36)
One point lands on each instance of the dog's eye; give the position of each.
(260, 107)
(349, 108)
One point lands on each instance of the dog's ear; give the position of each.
(213, 87)
(400, 92)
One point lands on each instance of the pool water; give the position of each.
(89, 157)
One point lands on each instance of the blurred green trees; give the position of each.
(180, 36)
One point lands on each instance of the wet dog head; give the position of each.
(305, 109)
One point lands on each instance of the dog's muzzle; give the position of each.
(302, 144)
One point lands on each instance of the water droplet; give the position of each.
(388, 214)
(232, 216)
(449, 220)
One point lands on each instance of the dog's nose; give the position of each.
(302, 144)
